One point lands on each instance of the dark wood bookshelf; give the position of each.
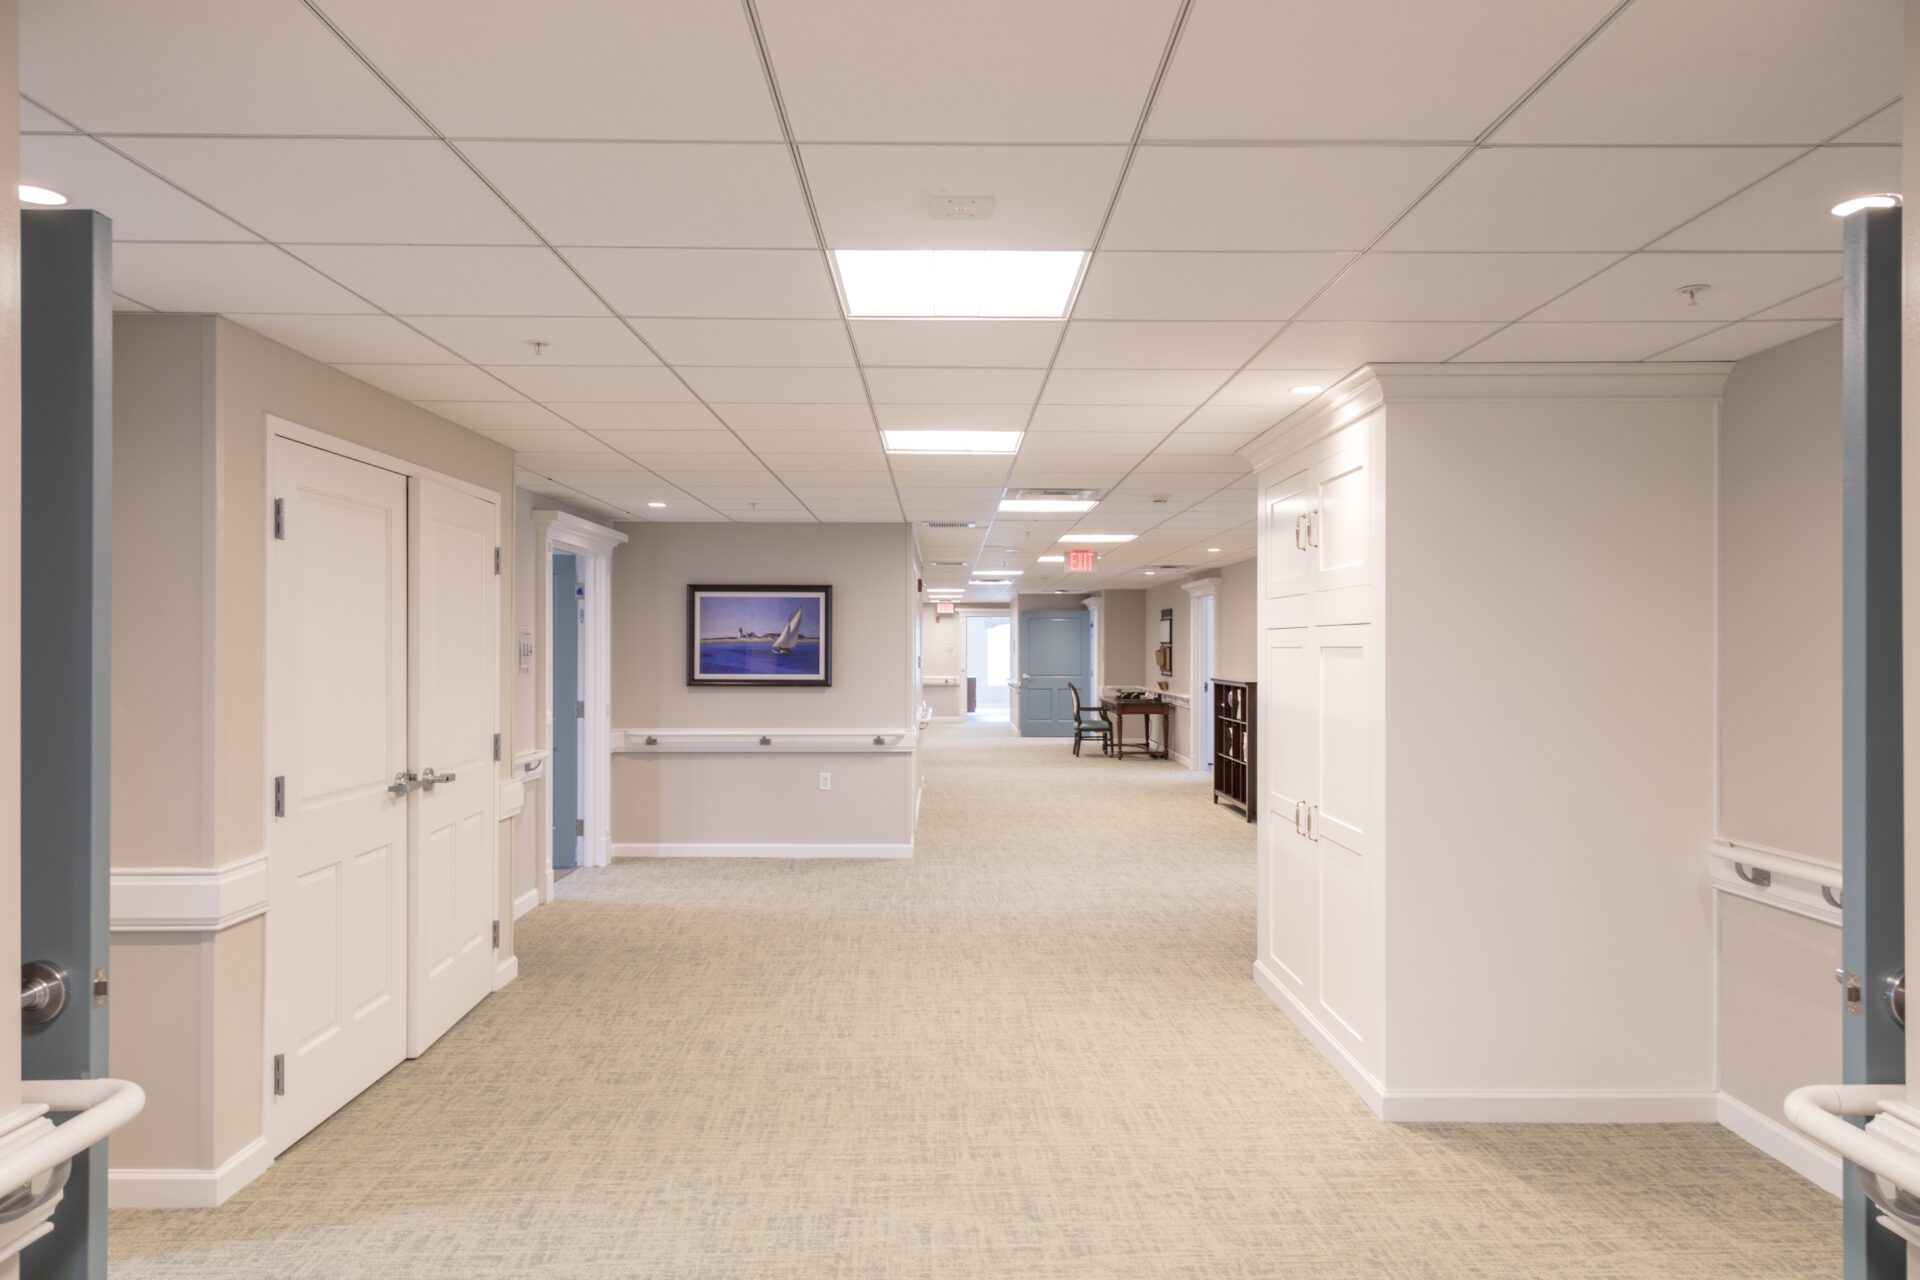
(1235, 709)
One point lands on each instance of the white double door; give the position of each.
(382, 640)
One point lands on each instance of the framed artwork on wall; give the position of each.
(768, 636)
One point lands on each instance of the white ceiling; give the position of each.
(1274, 192)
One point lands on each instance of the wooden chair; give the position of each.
(1098, 728)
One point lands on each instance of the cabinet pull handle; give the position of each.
(1296, 818)
(1299, 541)
(1313, 812)
(1313, 528)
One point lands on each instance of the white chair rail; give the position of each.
(1888, 1147)
(763, 741)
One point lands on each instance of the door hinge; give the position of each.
(280, 797)
(579, 711)
(580, 826)
(496, 747)
(496, 935)
(280, 518)
(279, 1075)
(496, 560)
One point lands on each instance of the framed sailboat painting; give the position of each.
(772, 636)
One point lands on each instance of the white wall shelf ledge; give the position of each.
(1776, 878)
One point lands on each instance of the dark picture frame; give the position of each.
(735, 636)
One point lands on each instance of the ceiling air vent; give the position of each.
(1169, 568)
(948, 524)
(1073, 495)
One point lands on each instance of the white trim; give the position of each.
(188, 1188)
(1362, 1080)
(187, 899)
(526, 902)
(505, 971)
(513, 798)
(593, 546)
(1787, 1145)
(777, 741)
(1201, 586)
(622, 851)
(1797, 881)
(1549, 1106)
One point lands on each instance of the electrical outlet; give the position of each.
(826, 782)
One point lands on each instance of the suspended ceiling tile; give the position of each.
(796, 417)
(488, 416)
(545, 445)
(1006, 344)
(982, 417)
(1269, 197)
(128, 304)
(584, 69)
(1569, 199)
(142, 206)
(767, 343)
(1452, 286)
(1793, 208)
(724, 195)
(469, 280)
(227, 277)
(1578, 341)
(878, 197)
(638, 443)
(114, 66)
(1162, 344)
(1176, 387)
(336, 190)
(1646, 286)
(839, 443)
(431, 381)
(992, 71)
(1242, 419)
(35, 120)
(1203, 286)
(1350, 344)
(583, 453)
(1738, 341)
(349, 339)
(560, 384)
(1157, 419)
(776, 386)
(1880, 127)
(1249, 69)
(1721, 71)
(615, 416)
(789, 466)
(1823, 303)
(1276, 388)
(954, 386)
(511, 339)
(745, 283)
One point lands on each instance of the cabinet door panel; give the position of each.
(1344, 747)
(1288, 561)
(1290, 882)
(1342, 527)
(1346, 950)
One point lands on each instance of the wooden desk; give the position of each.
(1117, 710)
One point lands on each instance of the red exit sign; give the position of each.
(1080, 560)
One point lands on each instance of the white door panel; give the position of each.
(1342, 523)
(455, 663)
(337, 736)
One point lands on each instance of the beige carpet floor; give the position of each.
(1035, 1049)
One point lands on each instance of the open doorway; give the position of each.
(990, 667)
(1201, 621)
(569, 824)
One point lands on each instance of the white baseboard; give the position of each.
(188, 1188)
(505, 971)
(762, 851)
(1185, 762)
(526, 902)
(1792, 1149)
(1491, 1106)
(1332, 1050)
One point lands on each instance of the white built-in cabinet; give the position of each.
(1456, 690)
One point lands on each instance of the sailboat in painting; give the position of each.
(789, 635)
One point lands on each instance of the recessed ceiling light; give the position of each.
(1214, 550)
(1149, 573)
(1002, 442)
(1003, 283)
(1882, 200)
(998, 573)
(1048, 505)
(30, 194)
(1052, 560)
(1308, 391)
(656, 504)
(1099, 537)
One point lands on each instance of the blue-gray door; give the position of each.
(66, 445)
(1873, 842)
(1055, 648)
(565, 768)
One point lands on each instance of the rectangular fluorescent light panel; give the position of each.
(998, 573)
(1001, 283)
(1002, 442)
(1099, 537)
(1052, 560)
(1046, 505)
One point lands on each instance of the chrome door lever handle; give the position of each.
(404, 782)
(428, 777)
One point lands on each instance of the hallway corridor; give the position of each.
(1035, 1049)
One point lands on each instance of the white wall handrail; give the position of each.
(762, 741)
(1780, 864)
(34, 1156)
(1819, 1111)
